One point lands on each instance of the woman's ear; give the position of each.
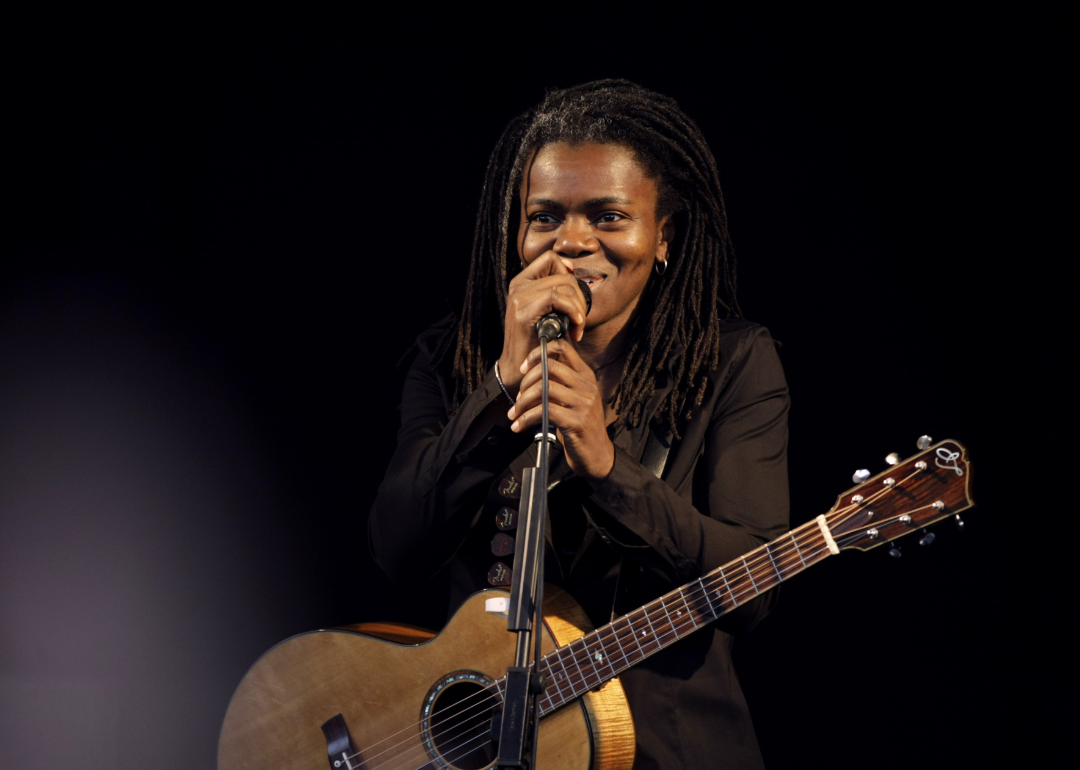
(667, 235)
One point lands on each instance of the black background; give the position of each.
(223, 232)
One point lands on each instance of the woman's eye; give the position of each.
(609, 216)
(544, 219)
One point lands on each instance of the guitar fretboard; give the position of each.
(588, 662)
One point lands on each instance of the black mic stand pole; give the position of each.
(516, 729)
(524, 683)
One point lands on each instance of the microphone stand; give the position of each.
(524, 682)
(516, 728)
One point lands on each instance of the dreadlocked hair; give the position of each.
(686, 304)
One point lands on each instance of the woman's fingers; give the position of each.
(576, 406)
(548, 263)
(572, 383)
(547, 284)
(558, 350)
(559, 293)
(570, 396)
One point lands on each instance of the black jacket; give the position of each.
(724, 492)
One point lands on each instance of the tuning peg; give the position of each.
(927, 538)
(959, 523)
(860, 476)
(892, 458)
(894, 550)
(924, 441)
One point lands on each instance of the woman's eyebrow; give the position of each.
(590, 203)
(608, 200)
(547, 203)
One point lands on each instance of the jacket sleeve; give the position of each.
(734, 500)
(440, 473)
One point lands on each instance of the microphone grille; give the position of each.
(588, 295)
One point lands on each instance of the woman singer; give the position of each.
(611, 184)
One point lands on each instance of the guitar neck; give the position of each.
(588, 662)
(924, 489)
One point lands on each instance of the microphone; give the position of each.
(556, 325)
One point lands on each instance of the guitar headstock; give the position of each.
(925, 488)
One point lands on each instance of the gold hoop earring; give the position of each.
(660, 270)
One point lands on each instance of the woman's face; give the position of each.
(593, 204)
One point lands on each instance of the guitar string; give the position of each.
(758, 561)
(668, 633)
(662, 639)
(463, 748)
(574, 681)
(671, 627)
(694, 594)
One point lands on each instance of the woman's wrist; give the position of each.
(599, 475)
(502, 384)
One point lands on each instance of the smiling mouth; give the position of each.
(592, 277)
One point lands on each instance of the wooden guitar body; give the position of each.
(381, 689)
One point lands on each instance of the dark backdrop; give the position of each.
(222, 234)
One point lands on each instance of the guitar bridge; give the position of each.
(339, 746)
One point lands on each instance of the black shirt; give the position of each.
(724, 493)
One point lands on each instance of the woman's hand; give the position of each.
(546, 284)
(576, 406)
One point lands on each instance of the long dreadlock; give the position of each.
(686, 304)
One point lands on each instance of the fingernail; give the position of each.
(514, 426)
(522, 369)
(510, 414)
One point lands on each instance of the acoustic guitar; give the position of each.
(392, 697)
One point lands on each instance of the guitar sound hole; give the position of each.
(459, 724)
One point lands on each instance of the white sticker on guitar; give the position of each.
(950, 459)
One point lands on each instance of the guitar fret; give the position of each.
(712, 609)
(798, 550)
(751, 576)
(688, 610)
(591, 661)
(647, 634)
(768, 552)
(663, 606)
(603, 659)
(586, 664)
(546, 697)
(573, 657)
(630, 630)
(652, 628)
(558, 677)
(727, 585)
(633, 635)
(548, 705)
(566, 678)
(618, 641)
(707, 611)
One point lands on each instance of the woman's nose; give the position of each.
(576, 238)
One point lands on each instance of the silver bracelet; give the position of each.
(504, 390)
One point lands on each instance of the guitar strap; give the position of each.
(656, 451)
(654, 458)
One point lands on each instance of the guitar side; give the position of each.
(276, 715)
